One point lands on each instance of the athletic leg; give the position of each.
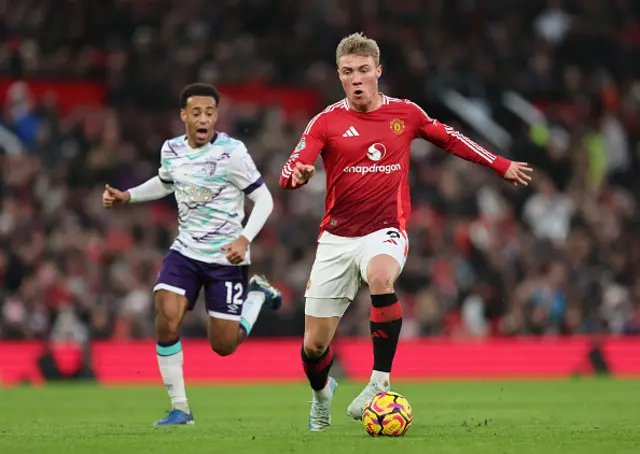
(317, 355)
(234, 303)
(382, 262)
(333, 284)
(386, 316)
(170, 311)
(175, 293)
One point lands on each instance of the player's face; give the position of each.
(199, 116)
(359, 76)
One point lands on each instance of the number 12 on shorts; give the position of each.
(234, 293)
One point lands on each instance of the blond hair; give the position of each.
(358, 44)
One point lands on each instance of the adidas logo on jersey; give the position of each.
(351, 132)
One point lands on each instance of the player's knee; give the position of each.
(166, 328)
(314, 348)
(223, 347)
(380, 281)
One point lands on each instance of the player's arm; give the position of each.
(262, 208)
(299, 168)
(452, 141)
(153, 189)
(245, 176)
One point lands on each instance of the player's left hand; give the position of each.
(518, 174)
(236, 250)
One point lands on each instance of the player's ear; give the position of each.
(379, 71)
(183, 115)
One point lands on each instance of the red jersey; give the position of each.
(366, 160)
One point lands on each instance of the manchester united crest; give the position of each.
(397, 126)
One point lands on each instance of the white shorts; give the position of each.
(341, 266)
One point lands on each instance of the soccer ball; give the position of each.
(388, 414)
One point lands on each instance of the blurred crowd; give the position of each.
(560, 257)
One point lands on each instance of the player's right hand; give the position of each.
(112, 196)
(302, 173)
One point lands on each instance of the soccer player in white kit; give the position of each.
(210, 174)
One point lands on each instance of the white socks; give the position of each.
(170, 361)
(324, 394)
(251, 309)
(381, 378)
(170, 357)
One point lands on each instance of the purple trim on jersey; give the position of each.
(171, 149)
(253, 186)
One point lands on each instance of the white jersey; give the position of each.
(210, 186)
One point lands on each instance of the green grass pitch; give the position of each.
(574, 416)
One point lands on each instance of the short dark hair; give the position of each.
(198, 89)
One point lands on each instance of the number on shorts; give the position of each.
(231, 298)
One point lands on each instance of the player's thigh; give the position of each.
(319, 331)
(325, 308)
(176, 289)
(334, 273)
(383, 256)
(224, 335)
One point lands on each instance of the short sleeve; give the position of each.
(243, 172)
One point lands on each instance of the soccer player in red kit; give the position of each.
(364, 141)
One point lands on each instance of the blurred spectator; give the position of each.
(562, 257)
(548, 212)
